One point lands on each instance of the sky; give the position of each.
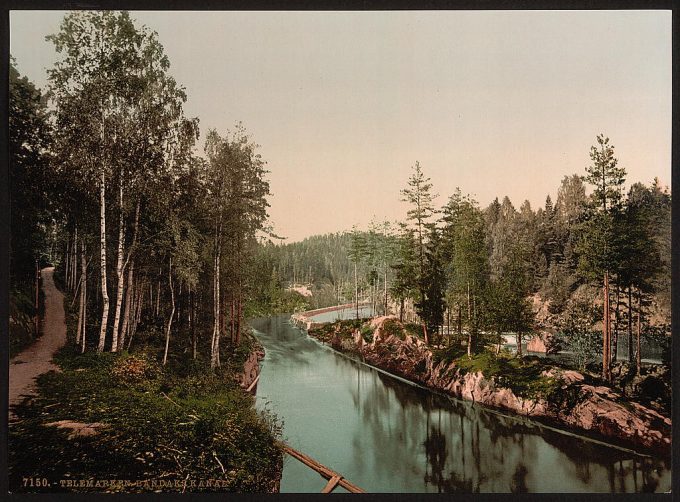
(344, 103)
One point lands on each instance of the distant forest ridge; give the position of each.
(323, 260)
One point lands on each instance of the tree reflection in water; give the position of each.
(508, 454)
(386, 435)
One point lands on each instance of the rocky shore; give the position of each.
(552, 394)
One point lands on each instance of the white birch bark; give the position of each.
(102, 261)
(119, 271)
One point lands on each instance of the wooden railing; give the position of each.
(334, 479)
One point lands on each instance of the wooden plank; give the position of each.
(322, 469)
(253, 384)
(332, 483)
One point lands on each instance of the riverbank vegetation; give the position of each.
(154, 246)
(126, 417)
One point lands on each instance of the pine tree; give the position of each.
(598, 245)
(418, 195)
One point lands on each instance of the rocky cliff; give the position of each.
(552, 394)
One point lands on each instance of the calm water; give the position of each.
(388, 436)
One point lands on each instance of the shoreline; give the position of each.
(550, 420)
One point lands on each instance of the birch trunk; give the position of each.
(630, 326)
(192, 325)
(469, 344)
(74, 259)
(356, 290)
(83, 295)
(172, 314)
(158, 297)
(215, 342)
(385, 290)
(83, 338)
(83, 281)
(102, 260)
(137, 313)
(119, 270)
(130, 262)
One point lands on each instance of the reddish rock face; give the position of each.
(596, 409)
(539, 343)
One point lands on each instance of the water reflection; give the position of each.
(386, 435)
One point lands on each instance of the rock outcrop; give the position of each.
(251, 368)
(575, 403)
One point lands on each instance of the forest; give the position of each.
(483, 272)
(152, 241)
(164, 250)
(106, 185)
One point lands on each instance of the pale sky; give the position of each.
(344, 103)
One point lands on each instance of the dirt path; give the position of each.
(37, 359)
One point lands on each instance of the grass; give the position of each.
(159, 426)
(524, 376)
(168, 424)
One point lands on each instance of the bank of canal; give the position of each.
(388, 436)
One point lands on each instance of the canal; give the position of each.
(386, 435)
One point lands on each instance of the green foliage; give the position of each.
(524, 376)
(467, 258)
(577, 334)
(448, 354)
(392, 327)
(21, 325)
(367, 333)
(431, 306)
(156, 426)
(413, 329)
(30, 136)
